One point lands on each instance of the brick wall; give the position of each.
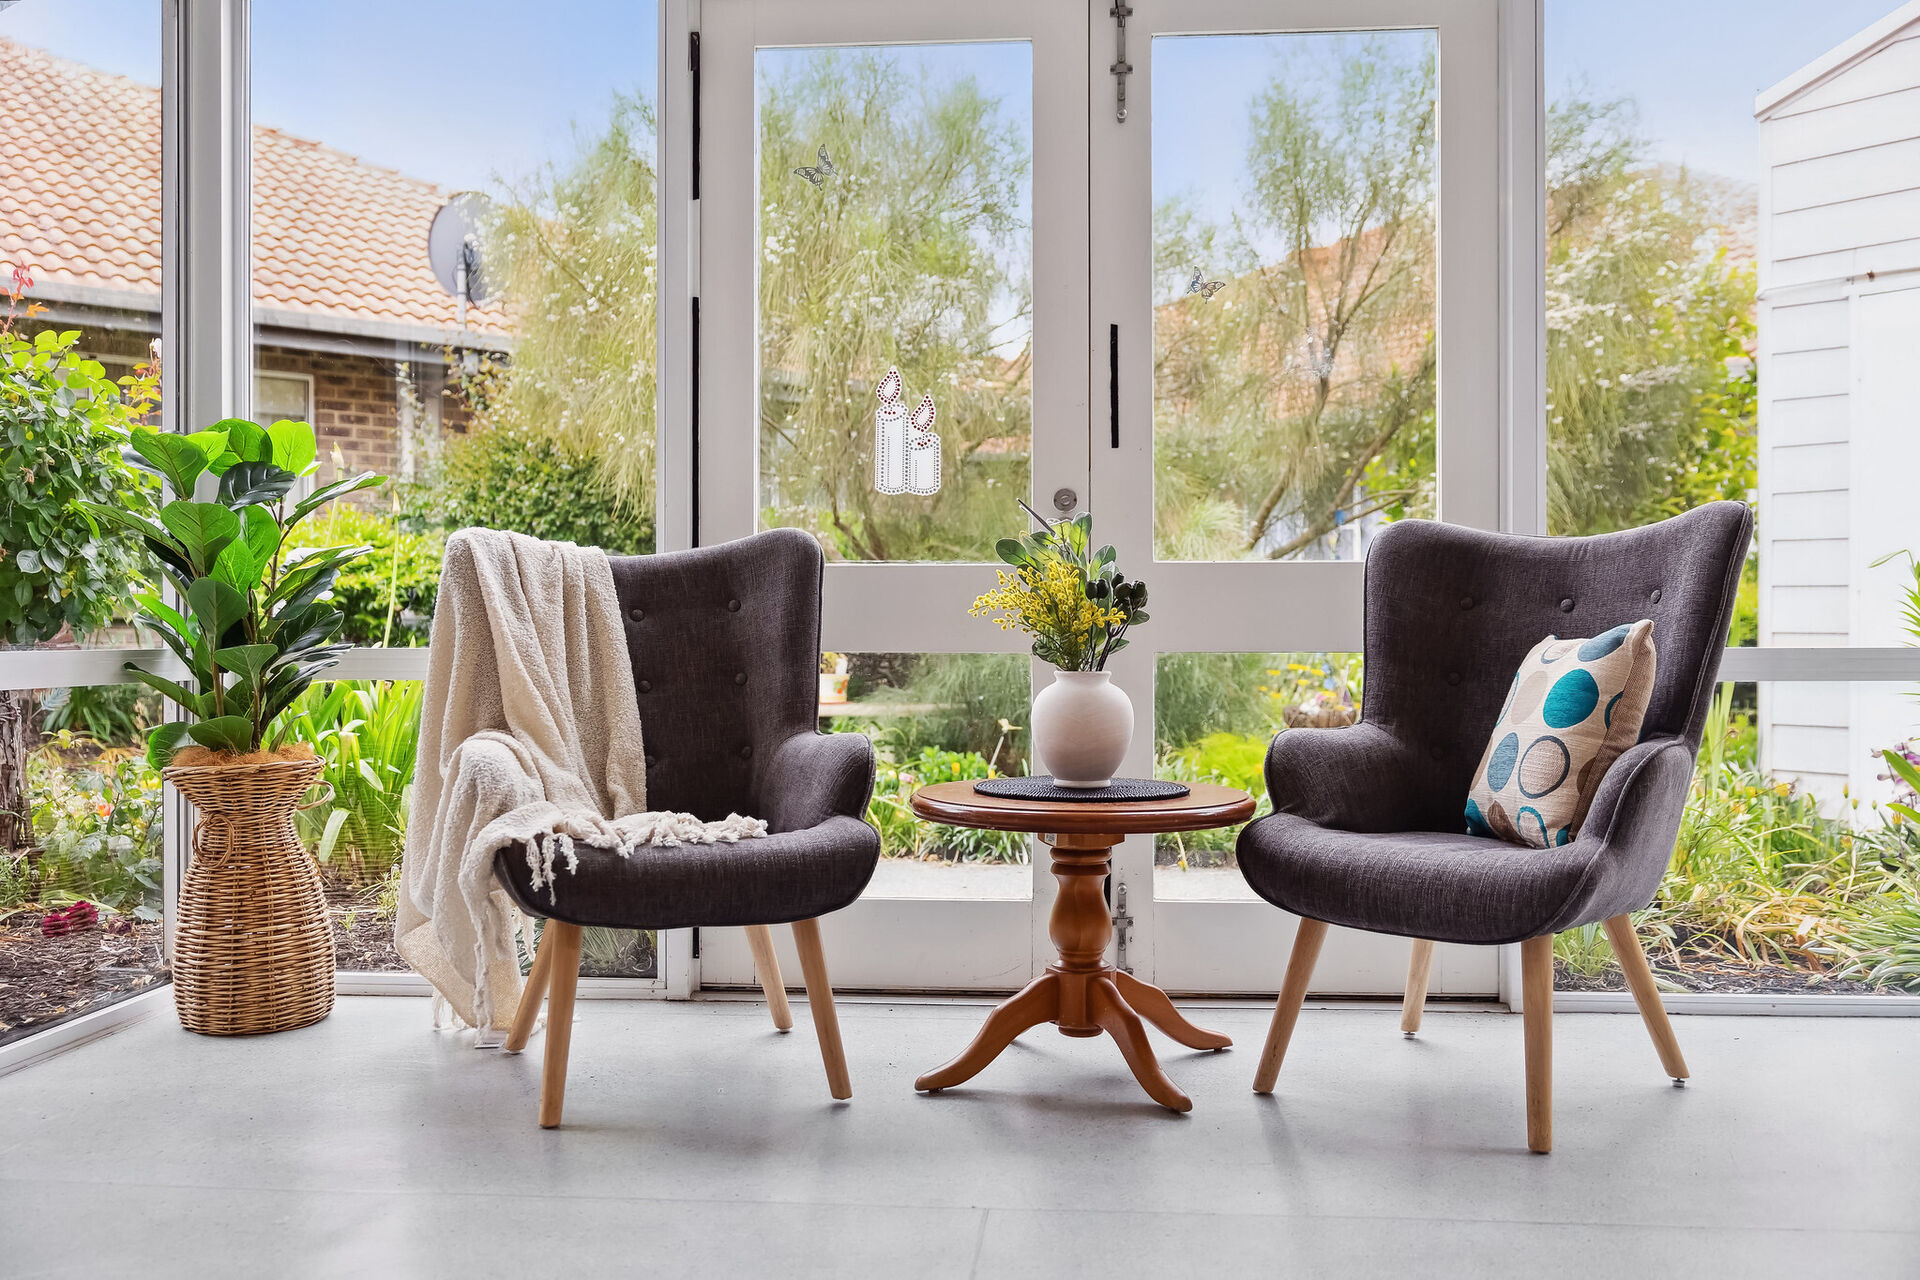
(357, 404)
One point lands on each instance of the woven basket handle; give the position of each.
(325, 799)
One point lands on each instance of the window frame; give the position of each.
(207, 332)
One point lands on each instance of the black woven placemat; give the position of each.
(1113, 793)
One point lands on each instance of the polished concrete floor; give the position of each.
(699, 1142)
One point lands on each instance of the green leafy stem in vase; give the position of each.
(255, 623)
(1071, 599)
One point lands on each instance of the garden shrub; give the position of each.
(98, 829)
(403, 571)
(366, 732)
(515, 478)
(902, 835)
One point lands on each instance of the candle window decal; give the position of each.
(906, 451)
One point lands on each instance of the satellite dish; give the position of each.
(454, 249)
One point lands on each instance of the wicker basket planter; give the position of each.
(252, 948)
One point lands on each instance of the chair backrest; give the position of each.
(1451, 612)
(725, 646)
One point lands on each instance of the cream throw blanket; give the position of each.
(529, 732)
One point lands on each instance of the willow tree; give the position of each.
(575, 249)
(1301, 397)
(1650, 381)
(908, 255)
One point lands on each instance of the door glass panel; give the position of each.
(935, 717)
(1294, 189)
(1214, 716)
(895, 307)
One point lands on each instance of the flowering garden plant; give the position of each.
(1073, 601)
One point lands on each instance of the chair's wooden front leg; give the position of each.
(1536, 987)
(532, 994)
(1633, 963)
(563, 980)
(1286, 1011)
(826, 1022)
(767, 966)
(1415, 1002)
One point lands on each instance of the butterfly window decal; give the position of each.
(818, 174)
(1205, 288)
(906, 451)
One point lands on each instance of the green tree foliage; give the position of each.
(904, 258)
(575, 401)
(63, 424)
(1650, 381)
(1301, 398)
(514, 476)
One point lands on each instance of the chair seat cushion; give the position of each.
(1421, 884)
(789, 875)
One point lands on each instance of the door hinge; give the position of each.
(1122, 925)
(1121, 68)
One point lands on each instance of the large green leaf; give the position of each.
(247, 484)
(180, 459)
(293, 447)
(328, 492)
(203, 528)
(214, 443)
(217, 607)
(164, 741)
(191, 701)
(228, 733)
(249, 660)
(1012, 550)
(246, 441)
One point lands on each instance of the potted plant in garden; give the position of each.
(833, 678)
(253, 951)
(1077, 606)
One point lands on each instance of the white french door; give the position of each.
(1215, 323)
(886, 186)
(1298, 225)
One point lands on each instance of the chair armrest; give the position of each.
(815, 776)
(1630, 830)
(1354, 779)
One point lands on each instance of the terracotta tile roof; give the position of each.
(339, 244)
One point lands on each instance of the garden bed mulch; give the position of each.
(47, 980)
(362, 934)
(1719, 976)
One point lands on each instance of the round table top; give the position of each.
(1205, 805)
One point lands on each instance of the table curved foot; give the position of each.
(1151, 1003)
(1114, 1016)
(1037, 1002)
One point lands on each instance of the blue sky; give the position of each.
(461, 90)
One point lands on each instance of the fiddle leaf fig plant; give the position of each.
(254, 622)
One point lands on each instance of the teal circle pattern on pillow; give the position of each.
(1603, 644)
(1571, 700)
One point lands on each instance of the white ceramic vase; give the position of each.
(1082, 726)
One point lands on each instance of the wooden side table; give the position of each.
(1081, 993)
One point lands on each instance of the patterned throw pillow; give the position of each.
(1574, 707)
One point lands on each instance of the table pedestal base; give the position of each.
(1082, 994)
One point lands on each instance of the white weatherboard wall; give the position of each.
(1839, 322)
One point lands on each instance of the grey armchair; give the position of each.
(1367, 830)
(725, 646)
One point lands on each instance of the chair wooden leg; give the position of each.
(1415, 1002)
(826, 1022)
(1536, 986)
(531, 996)
(562, 981)
(1286, 1011)
(1633, 963)
(767, 965)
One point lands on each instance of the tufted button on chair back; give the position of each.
(1451, 612)
(725, 645)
